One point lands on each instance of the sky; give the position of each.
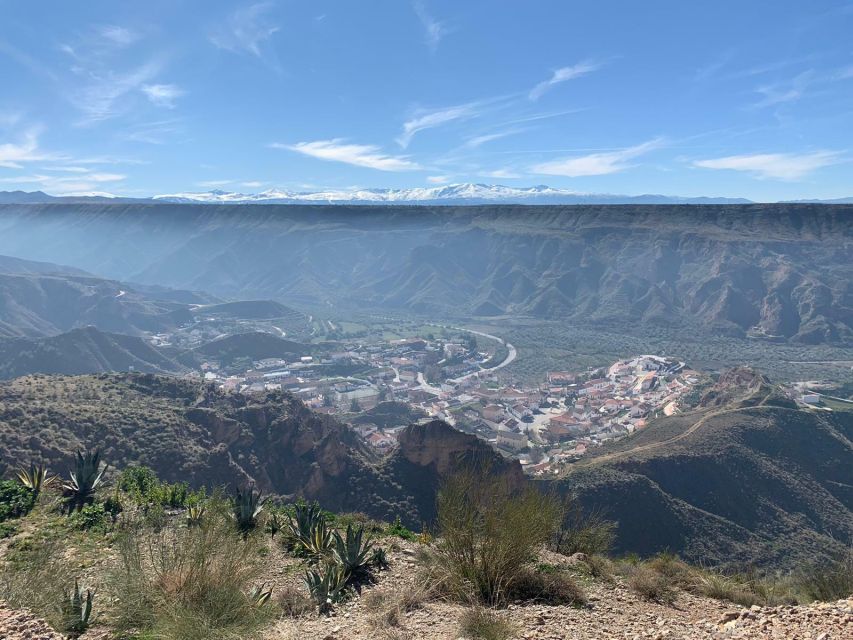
(723, 98)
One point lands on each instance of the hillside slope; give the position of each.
(780, 271)
(80, 351)
(729, 482)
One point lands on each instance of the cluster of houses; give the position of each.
(543, 425)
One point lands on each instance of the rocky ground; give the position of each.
(613, 612)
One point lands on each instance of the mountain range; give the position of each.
(780, 272)
(458, 194)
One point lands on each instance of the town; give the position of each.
(458, 376)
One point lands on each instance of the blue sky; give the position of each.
(724, 98)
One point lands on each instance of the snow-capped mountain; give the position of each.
(466, 193)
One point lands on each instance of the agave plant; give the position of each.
(246, 507)
(274, 524)
(319, 543)
(327, 587)
(351, 551)
(35, 478)
(259, 595)
(379, 559)
(87, 477)
(77, 610)
(304, 521)
(195, 515)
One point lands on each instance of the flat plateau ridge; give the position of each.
(782, 272)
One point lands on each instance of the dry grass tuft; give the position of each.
(484, 624)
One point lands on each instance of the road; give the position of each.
(512, 354)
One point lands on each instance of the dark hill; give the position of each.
(730, 482)
(778, 271)
(39, 304)
(255, 345)
(187, 430)
(79, 351)
(248, 310)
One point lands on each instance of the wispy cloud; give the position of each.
(478, 141)
(438, 179)
(163, 95)
(424, 119)
(434, 30)
(252, 184)
(564, 74)
(501, 174)
(13, 155)
(248, 30)
(597, 164)
(65, 184)
(790, 91)
(101, 96)
(210, 184)
(780, 166)
(119, 36)
(360, 155)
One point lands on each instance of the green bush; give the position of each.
(92, 517)
(588, 533)
(188, 583)
(489, 533)
(15, 500)
(144, 488)
(828, 581)
(398, 529)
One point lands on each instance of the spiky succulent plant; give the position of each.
(35, 478)
(259, 595)
(246, 506)
(195, 515)
(77, 610)
(352, 550)
(327, 586)
(85, 479)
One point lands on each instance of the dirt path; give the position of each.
(655, 445)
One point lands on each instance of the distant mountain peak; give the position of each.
(461, 193)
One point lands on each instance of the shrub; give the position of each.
(720, 587)
(651, 585)
(827, 581)
(16, 500)
(398, 529)
(552, 586)
(188, 583)
(92, 517)
(489, 533)
(32, 578)
(293, 602)
(673, 568)
(484, 624)
(588, 533)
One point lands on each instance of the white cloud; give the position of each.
(247, 30)
(360, 155)
(209, 184)
(478, 141)
(596, 164)
(427, 119)
(253, 184)
(502, 174)
(14, 154)
(117, 35)
(564, 74)
(163, 95)
(434, 30)
(438, 179)
(781, 166)
(789, 91)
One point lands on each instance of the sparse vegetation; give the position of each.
(651, 585)
(77, 611)
(485, 624)
(489, 533)
(80, 489)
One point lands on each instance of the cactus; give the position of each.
(247, 506)
(77, 610)
(351, 551)
(327, 587)
(35, 478)
(304, 521)
(87, 477)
